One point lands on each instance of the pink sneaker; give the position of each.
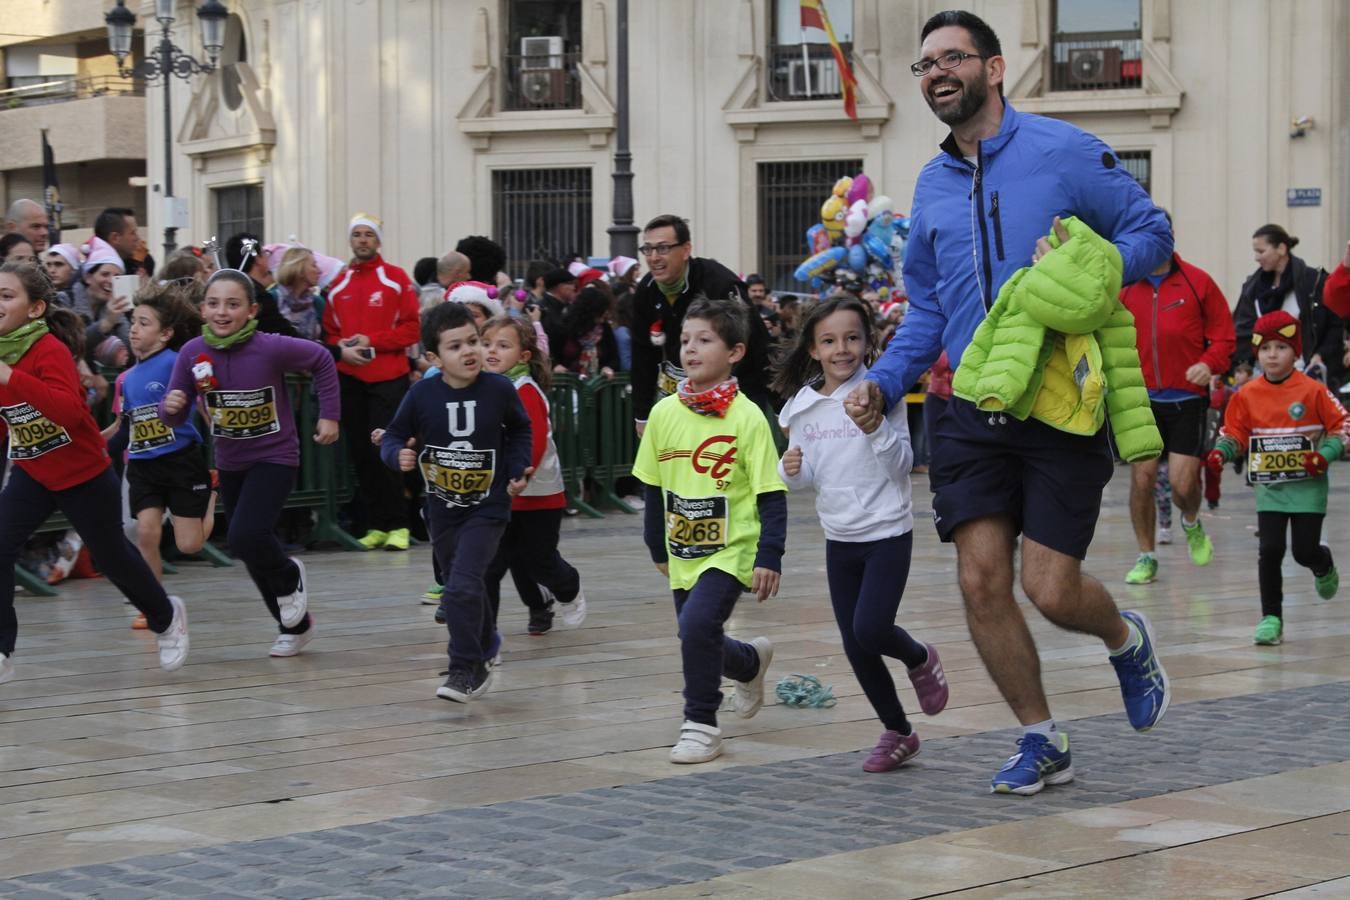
(930, 683)
(892, 751)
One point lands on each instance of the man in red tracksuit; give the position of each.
(1185, 334)
(371, 319)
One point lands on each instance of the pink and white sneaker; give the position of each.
(892, 751)
(930, 683)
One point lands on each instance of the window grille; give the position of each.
(790, 195)
(541, 214)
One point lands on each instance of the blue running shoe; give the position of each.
(1037, 763)
(1143, 683)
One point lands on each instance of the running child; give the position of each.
(61, 462)
(240, 375)
(709, 464)
(863, 500)
(166, 468)
(529, 547)
(1290, 427)
(474, 440)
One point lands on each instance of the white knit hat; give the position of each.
(476, 293)
(370, 222)
(69, 252)
(619, 265)
(99, 252)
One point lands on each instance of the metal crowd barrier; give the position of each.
(593, 431)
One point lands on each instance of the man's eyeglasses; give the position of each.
(658, 249)
(948, 60)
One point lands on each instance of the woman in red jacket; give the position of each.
(61, 462)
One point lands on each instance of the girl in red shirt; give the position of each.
(529, 548)
(60, 461)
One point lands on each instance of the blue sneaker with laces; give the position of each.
(1036, 763)
(1143, 683)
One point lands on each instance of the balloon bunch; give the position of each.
(859, 241)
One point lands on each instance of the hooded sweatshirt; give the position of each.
(861, 480)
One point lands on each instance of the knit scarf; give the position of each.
(518, 370)
(232, 340)
(712, 402)
(15, 344)
(671, 291)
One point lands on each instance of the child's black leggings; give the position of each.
(1308, 552)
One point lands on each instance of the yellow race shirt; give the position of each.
(710, 471)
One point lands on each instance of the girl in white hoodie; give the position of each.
(863, 500)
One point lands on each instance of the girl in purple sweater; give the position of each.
(240, 375)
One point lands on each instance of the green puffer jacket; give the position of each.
(1059, 346)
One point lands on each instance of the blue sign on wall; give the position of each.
(1303, 197)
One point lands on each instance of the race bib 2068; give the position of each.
(695, 526)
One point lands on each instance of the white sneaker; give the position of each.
(6, 668)
(697, 744)
(1164, 535)
(574, 613)
(293, 606)
(173, 643)
(750, 694)
(292, 644)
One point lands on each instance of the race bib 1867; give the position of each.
(243, 414)
(1277, 457)
(31, 434)
(148, 431)
(459, 478)
(695, 526)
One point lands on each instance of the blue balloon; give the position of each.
(857, 258)
(822, 262)
(878, 248)
(817, 238)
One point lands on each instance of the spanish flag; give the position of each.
(814, 16)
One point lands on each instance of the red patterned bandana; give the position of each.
(712, 402)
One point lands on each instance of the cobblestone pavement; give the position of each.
(698, 826)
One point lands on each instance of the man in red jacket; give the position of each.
(1184, 329)
(371, 320)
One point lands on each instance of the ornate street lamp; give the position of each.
(167, 60)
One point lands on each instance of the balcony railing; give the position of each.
(1101, 61)
(814, 78)
(65, 88)
(541, 81)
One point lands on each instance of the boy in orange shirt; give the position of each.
(1291, 427)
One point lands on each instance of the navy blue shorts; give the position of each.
(1047, 481)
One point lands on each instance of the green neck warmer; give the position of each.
(234, 340)
(671, 291)
(518, 370)
(15, 344)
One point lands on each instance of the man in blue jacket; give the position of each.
(981, 210)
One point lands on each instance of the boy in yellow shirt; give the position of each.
(708, 460)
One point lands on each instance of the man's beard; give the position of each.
(971, 102)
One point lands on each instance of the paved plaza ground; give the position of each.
(339, 773)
